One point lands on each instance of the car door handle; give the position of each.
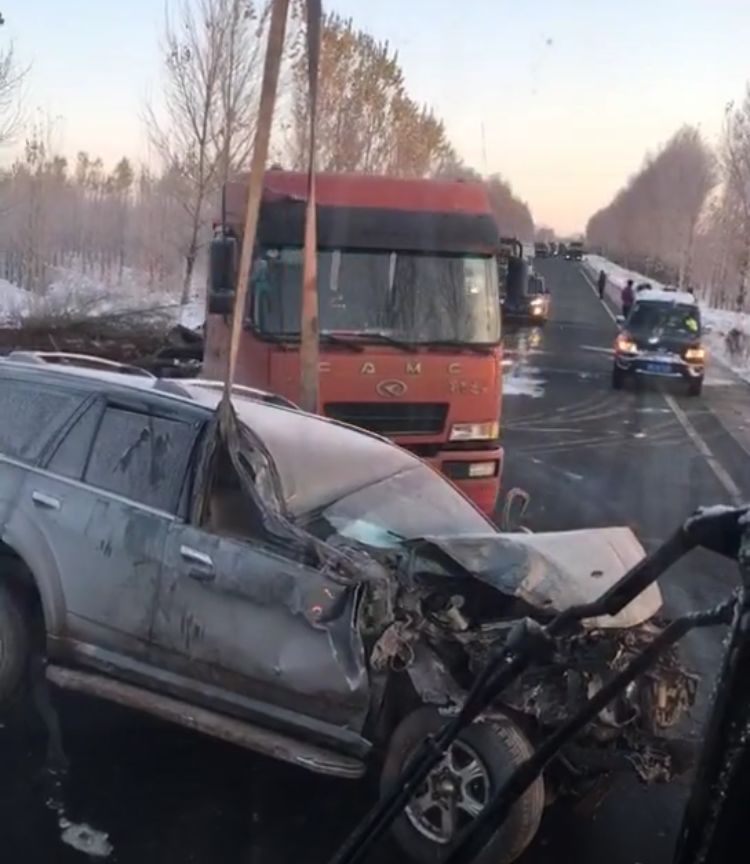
(47, 501)
(204, 571)
(201, 575)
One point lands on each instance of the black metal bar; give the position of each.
(638, 578)
(715, 822)
(719, 532)
(476, 835)
(501, 671)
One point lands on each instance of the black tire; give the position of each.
(695, 387)
(618, 378)
(501, 747)
(14, 647)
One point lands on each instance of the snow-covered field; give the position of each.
(719, 321)
(73, 296)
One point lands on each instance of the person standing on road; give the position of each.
(628, 296)
(601, 284)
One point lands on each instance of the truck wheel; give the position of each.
(618, 378)
(14, 647)
(471, 772)
(695, 387)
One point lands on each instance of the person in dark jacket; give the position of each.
(601, 284)
(628, 296)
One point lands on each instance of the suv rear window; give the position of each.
(30, 416)
(141, 457)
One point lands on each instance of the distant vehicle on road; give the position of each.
(523, 293)
(661, 338)
(528, 302)
(562, 250)
(541, 250)
(575, 251)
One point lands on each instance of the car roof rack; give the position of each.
(251, 392)
(83, 361)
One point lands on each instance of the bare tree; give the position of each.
(204, 131)
(12, 76)
(512, 215)
(366, 120)
(653, 221)
(735, 153)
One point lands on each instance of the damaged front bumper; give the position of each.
(450, 625)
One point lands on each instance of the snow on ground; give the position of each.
(719, 321)
(73, 295)
(521, 380)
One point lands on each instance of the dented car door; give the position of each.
(103, 503)
(239, 617)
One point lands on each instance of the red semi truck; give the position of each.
(408, 312)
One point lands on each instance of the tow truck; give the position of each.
(409, 321)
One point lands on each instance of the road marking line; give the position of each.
(720, 472)
(598, 349)
(586, 276)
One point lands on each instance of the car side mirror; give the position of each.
(620, 320)
(222, 270)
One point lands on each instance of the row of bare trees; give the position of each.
(82, 218)
(111, 221)
(684, 217)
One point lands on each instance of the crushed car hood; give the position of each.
(555, 570)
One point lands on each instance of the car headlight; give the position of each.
(695, 355)
(475, 431)
(536, 306)
(625, 345)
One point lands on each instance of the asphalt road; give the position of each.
(589, 457)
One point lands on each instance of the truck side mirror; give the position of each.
(222, 274)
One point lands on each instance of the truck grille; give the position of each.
(403, 418)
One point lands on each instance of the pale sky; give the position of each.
(563, 97)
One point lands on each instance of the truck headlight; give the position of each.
(475, 431)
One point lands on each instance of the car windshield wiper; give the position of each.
(475, 347)
(387, 339)
(344, 341)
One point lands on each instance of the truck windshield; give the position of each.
(411, 296)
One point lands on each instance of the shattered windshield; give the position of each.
(415, 297)
(412, 504)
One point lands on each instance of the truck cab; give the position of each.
(409, 317)
(524, 295)
(575, 251)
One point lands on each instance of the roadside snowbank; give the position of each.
(719, 321)
(73, 296)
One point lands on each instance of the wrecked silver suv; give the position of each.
(331, 616)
